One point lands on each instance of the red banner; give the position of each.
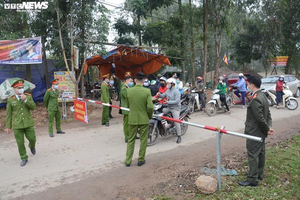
(279, 61)
(80, 111)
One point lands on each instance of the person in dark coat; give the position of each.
(258, 123)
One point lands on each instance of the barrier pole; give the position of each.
(218, 136)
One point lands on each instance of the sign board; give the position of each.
(80, 111)
(66, 84)
(279, 61)
(21, 51)
(76, 57)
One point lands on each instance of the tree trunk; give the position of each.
(45, 60)
(139, 30)
(192, 43)
(182, 54)
(205, 33)
(218, 43)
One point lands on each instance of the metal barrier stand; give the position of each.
(64, 107)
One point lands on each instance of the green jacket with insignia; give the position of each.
(18, 114)
(51, 99)
(139, 101)
(123, 98)
(105, 98)
(258, 118)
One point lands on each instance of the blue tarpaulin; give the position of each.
(37, 76)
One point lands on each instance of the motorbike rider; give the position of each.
(222, 87)
(241, 88)
(200, 90)
(279, 89)
(162, 89)
(173, 102)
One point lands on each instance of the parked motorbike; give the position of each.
(288, 100)
(215, 103)
(162, 127)
(194, 101)
(96, 91)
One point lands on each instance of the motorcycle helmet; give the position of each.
(241, 75)
(153, 82)
(224, 75)
(163, 79)
(172, 81)
(221, 78)
(281, 76)
(199, 78)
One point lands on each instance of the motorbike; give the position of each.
(194, 101)
(215, 104)
(163, 127)
(248, 97)
(288, 100)
(96, 91)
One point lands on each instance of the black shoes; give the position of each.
(127, 165)
(33, 151)
(178, 139)
(60, 132)
(23, 163)
(107, 124)
(141, 163)
(51, 135)
(247, 183)
(111, 117)
(103, 123)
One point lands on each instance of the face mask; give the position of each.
(168, 86)
(146, 84)
(281, 79)
(55, 86)
(107, 81)
(21, 91)
(198, 81)
(130, 84)
(177, 82)
(220, 81)
(162, 84)
(111, 82)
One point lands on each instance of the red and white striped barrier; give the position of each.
(181, 121)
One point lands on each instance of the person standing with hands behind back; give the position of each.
(19, 118)
(141, 109)
(51, 103)
(279, 89)
(258, 123)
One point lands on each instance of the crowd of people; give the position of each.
(139, 99)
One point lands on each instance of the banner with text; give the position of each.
(279, 61)
(80, 111)
(22, 51)
(65, 84)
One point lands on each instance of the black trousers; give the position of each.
(223, 100)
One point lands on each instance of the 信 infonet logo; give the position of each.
(27, 6)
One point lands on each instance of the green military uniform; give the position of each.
(257, 124)
(124, 112)
(51, 103)
(105, 98)
(19, 118)
(141, 109)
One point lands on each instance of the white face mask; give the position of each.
(21, 91)
(220, 81)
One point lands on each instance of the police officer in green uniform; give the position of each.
(51, 103)
(141, 109)
(105, 98)
(128, 83)
(19, 118)
(258, 123)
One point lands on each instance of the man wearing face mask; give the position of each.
(241, 88)
(105, 98)
(162, 89)
(19, 118)
(173, 102)
(51, 103)
(128, 83)
(200, 90)
(279, 89)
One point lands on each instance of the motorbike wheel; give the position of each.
(152, 137)
(291, 104)
(229, 102)
(184, 127)
(211, 109)
(270, 101)
(191, 107)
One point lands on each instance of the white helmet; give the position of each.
(281, 76)
(163, 79)
(241, 74)
(171, 80)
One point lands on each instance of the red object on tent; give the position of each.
(123, 59)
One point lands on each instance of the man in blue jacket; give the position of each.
(241, 88)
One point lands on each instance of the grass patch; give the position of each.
(281, 181)
(282, 176)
